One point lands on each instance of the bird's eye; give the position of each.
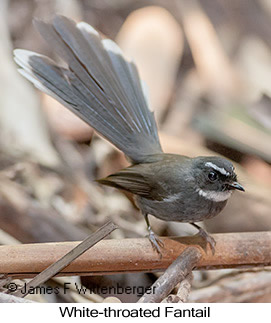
(212, 176)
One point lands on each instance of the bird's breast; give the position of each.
(178, 208)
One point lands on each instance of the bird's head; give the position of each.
(215, 178)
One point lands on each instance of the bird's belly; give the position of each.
(181, 210)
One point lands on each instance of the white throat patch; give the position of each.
(215, 196)
(221, 170)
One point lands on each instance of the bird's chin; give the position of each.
(215, 196)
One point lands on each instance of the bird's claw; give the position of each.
(156, 242)
(208, 238)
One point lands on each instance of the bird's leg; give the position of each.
(206, 236)
(154, 239)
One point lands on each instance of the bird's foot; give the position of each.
(156, 242)
(208, 238)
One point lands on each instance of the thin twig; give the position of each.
(185, 288)
(63, 262)
(183, 291)
(4, 279)
(175, 273)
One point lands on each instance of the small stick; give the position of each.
(68, 258)
(4, 279)
(183, 291)
(175, 273)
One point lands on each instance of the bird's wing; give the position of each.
(133, 179)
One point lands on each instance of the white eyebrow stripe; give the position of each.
(219, 169)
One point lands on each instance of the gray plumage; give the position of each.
(98, 85)
(168, 186)
(104, 89)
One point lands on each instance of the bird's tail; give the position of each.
(98, 84)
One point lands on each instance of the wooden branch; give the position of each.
(183, 291)
(176, 272)
(112, 256)
(65, 260)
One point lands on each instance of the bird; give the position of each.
(103, 87)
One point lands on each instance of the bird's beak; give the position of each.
(236, 186)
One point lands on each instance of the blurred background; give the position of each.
(208, 69)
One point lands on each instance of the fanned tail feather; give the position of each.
(98, 84)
